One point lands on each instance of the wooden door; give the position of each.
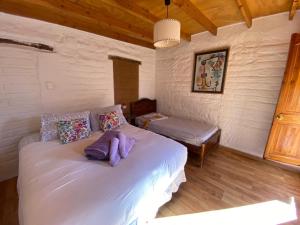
(284, 140)
(126, 83)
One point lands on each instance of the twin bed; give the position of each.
(57, 184)
(198, 136)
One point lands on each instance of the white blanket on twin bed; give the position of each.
(59, 186)
(185, 130)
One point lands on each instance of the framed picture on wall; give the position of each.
(209, 71)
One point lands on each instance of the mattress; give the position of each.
(185, 130)
(58, 185)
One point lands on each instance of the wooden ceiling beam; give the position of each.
(132, 8)
(243, 7)
(293, 8)
(37, 10)
(101, 16)
(193, 11)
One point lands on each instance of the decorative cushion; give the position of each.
(49, 123)
(72, 130)
(95, 112)
(109, 121)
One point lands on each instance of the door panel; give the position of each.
(286, 146)
(293, 91)
(126, 83)
(284, 140)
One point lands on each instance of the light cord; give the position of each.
(167, 11)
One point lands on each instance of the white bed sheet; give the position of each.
(188, 131)
(59, 186)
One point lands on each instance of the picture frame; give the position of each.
(210, 71)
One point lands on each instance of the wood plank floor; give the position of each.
(227, 180)
(230, 180)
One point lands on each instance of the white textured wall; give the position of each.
(78, 76)
(256, 65)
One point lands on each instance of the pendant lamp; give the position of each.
(166, 31)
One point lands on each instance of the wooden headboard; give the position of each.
(142, 107)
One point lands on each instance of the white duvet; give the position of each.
(188, 131)
(59, 186)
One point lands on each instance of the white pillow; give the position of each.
(49, 123)
(94, 118)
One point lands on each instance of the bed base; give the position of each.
(145, 106)
(206, 147)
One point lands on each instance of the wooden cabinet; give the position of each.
(284, 140)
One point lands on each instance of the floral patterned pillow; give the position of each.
(109, 121)
(49, 121)
(73, 130)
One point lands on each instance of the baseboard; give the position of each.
(239, 152)
(270, 162)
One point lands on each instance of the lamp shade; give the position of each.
(166, 33)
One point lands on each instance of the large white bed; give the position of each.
(58, 185)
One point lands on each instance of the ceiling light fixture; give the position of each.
(166, 31)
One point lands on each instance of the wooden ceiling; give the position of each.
(132, 20)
